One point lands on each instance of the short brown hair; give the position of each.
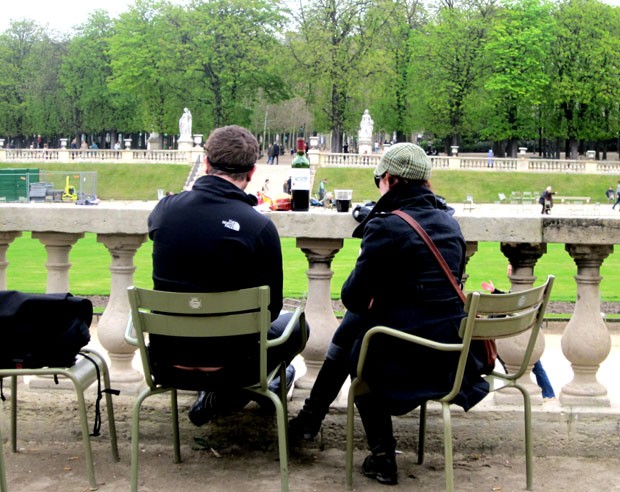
(232, 149)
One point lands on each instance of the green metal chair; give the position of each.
(3, 485)
(488, 317)
(90, 366)
(204, 315)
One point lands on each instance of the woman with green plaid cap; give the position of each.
(397, 282)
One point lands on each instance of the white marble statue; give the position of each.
(366, 126)
(185, 125)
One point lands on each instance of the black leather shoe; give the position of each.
(381, 467)
(305, 426)
(202, 410)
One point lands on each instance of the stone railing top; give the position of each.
(485, 223)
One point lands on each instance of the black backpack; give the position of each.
(42, 330)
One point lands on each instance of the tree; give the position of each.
(448, 69)
(330, 48)
(392, 57)
(84, 76)
(516, 52)
(585, 61)
(17, 50)
(140, 42)
(231, 57)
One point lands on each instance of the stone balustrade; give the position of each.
(124, 156)
(320, 234)
(523, 163)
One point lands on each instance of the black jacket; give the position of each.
(211, 239)
(397, 282)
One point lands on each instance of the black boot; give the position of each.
(325, 390)
(203, 409)
(381, 466)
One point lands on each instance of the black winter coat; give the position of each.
(397, 282)
(211, 239)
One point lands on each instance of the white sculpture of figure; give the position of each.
(366, 126)
(185, 125)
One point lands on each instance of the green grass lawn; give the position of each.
(90, 272)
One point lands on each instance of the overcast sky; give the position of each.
(62, 15)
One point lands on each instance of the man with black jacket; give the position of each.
(211, 239)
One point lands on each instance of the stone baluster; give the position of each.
(58, 246)
(111, 327)
(319, 312)
(471, 248)
(523, 258)
(586, 341)
(6, 238)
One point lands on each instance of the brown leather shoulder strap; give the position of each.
(431, 245)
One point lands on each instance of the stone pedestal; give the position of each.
(6, 238)
(586, 341)
(111, 328)
(185, 144)
(154, 141)
(58, 246)
(470, 250)
(364, 147)
(319, 312)
(523, 258)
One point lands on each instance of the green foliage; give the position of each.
(517, 52)
(460, 72)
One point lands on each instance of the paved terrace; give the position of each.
(580, 357)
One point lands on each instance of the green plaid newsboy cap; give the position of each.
(406, 160)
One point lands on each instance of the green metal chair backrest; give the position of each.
(494, 316)
(199, 315)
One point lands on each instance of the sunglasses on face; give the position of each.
(378, 179)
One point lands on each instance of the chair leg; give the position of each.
(110, 412)
(282, 423)
(350, 424)
(175, 425)
(14, 414)
(529, 460)
(3, 485)
(447, 444)
(422, 433)
(135, 437)
(284, 399)
(90, 469)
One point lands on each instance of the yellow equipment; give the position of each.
(69, 193)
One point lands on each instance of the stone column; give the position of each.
(6, 238)
(58, 246)
(111, 327)
(586, 341)
(523, 258)
(319, 312)
(471, 248)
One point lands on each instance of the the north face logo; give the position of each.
(231, 224)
